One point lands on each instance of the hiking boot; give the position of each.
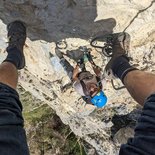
(58, 53)
(16, 40)
(120, 46)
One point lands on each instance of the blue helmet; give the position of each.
(99, 100)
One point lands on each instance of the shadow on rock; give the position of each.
(56, 20)
(124, 125)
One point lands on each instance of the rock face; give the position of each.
(75, 22)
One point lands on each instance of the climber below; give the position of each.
(88, 85)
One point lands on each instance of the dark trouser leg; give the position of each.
(144, 138)
(67, 67)
(12, 133)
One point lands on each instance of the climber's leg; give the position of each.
(15, 59)
(65, 64)
(12, 134)
(8, 74)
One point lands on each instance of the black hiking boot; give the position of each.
(16, 40)
(120, 46)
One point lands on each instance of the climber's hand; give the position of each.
(75, 73)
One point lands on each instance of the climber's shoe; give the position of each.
(16, 40)
(120, 46)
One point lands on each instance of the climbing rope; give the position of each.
(106, 48)
(61, 44)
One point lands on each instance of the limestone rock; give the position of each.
(75, 22)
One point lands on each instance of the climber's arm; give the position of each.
(75, 73)
(96, 69)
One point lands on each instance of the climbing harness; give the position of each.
(106, 41)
